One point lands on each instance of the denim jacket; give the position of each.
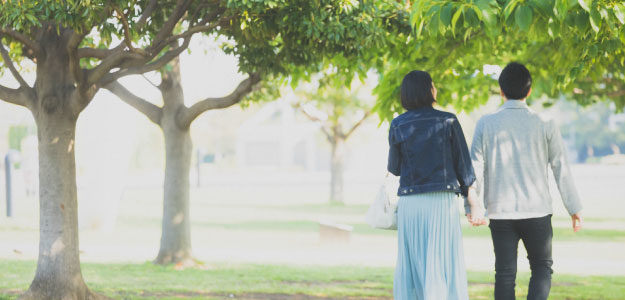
(429, 153)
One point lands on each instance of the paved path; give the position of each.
(239, 246)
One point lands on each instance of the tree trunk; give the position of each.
(58, 274)
(176, 225)
(336, 170)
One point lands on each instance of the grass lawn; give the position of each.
(559, 233)
(247, 281)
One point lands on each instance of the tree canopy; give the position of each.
(79, 47)
(571, 47)
(278, 37)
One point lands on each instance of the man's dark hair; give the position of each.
(416, 90)
(515, 81)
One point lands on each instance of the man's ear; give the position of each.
(501, 93)
(529, 93)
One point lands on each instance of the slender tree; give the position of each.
(339, 111)
(275, 42)
(174, 119)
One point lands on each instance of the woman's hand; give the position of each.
(476, 216)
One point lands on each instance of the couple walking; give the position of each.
(511, 151)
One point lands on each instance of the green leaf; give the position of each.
(604, 14)
(595, 19)
(581, 21)
(523, 17)
(455, 18)
(510, 8)
(433, 27)
(619, 12)
(554, 29)
(470, 18)
(445, 15)
(585, 4)
(487, 12)
(561, 8)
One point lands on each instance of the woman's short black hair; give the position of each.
(416, 90)
(515, 81)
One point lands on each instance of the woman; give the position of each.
(429, 153)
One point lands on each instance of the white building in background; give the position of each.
(275, 138)
(615, 121)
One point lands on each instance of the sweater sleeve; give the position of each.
(561, 170)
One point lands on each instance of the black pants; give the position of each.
(536, 234)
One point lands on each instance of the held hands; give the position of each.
(476, 216)
(577, 221)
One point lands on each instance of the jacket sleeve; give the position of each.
(561, 171)
(477, 159)
(461, 158)
(394, 155)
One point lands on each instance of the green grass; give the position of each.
(147, 281)
(559, 233)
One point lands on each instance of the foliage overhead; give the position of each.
(571, 47)
(277, 39)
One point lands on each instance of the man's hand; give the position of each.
(577, 221)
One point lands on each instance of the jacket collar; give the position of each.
(514, 104)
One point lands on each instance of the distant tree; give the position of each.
(276, 41)
(339, 110)
(174, 119)
(590, 130)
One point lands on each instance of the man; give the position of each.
(511, 151)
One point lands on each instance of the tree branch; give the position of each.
(9, 64)
(245, 87)
(194, 30)
(74, 60)
(616, 94)
(137, 61)
(113, 60)
(94, 52)
(150, 81)
(17, 96)
(22, 39)
(323, 125)
(147, 12)
(126, 29)
(351, 130)
(151, 111)
(168, 27)
(116, 58)
(153, 66)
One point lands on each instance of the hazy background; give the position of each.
(261, 186)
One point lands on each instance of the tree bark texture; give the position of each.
(176, 224)
(58, 274)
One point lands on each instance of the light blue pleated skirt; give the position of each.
(430, 259)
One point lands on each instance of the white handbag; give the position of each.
(382, 213)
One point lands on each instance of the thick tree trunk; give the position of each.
(58, 274)
(336, 170)
(176, 225)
